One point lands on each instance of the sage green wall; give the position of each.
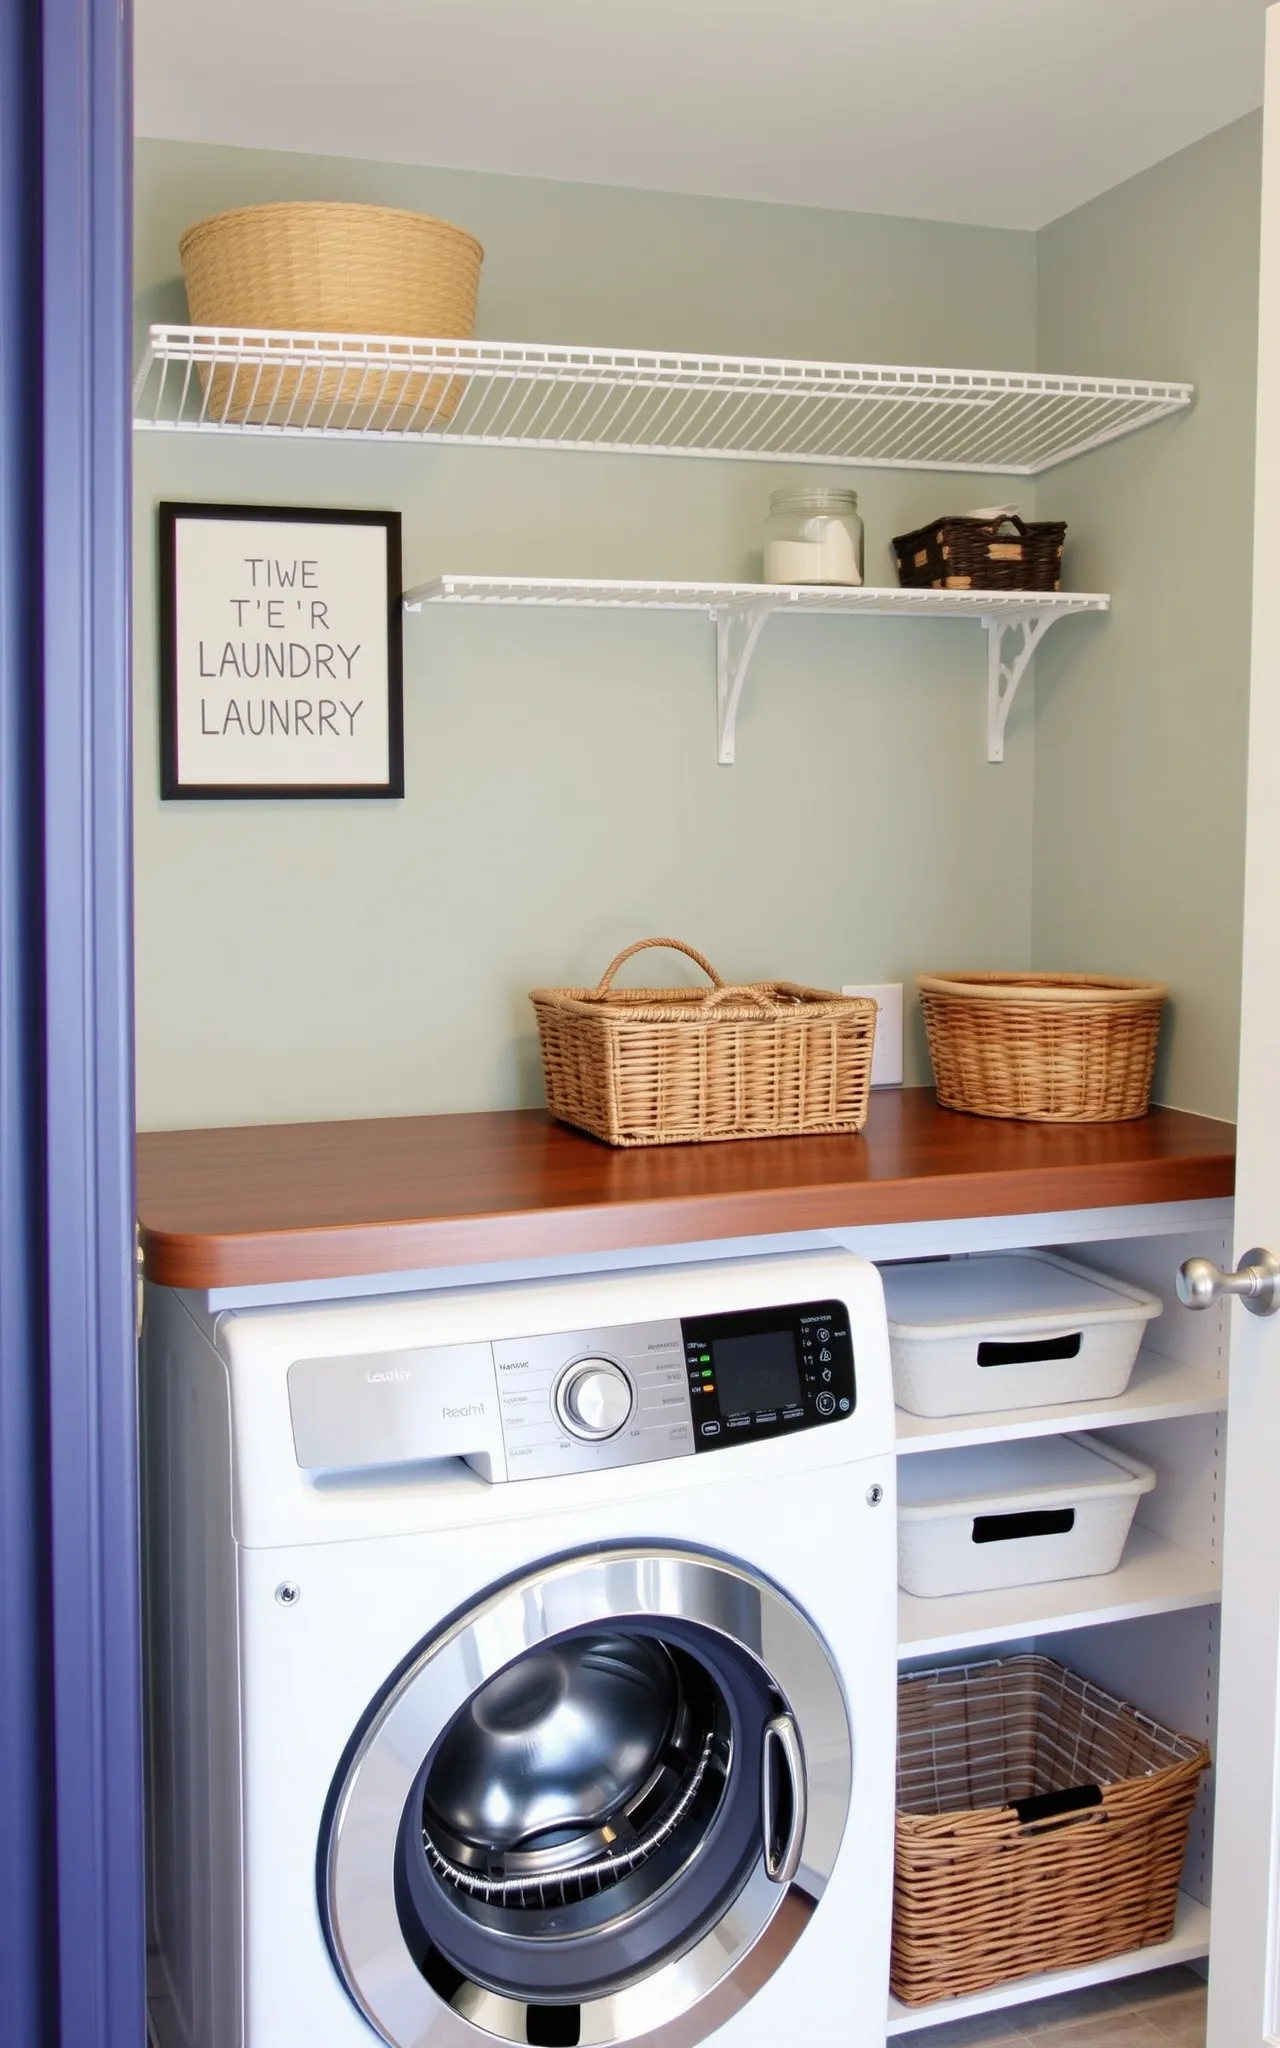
(330, 959)
(1141, 717)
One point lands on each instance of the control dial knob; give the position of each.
(594, 1398)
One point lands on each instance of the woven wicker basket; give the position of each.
(1052, 1048)
(674, 1066)
(311, 267)
(1042, 1824)
(982, 554)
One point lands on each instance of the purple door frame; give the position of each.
(71, 1856)
(26, 1895)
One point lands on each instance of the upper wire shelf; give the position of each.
(640, 402)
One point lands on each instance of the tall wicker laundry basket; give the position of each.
(1042, 1824)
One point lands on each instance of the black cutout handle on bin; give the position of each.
(1034, 1522)
(1031, 1350)
(1056, 1805)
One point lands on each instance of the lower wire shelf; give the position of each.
(1189, 1943)
(1014, 621)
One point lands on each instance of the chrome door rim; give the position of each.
(644, 1585)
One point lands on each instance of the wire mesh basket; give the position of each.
(1042, 1824)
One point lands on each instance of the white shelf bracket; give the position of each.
(1005, 671)
(737, 631)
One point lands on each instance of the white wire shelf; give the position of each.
(639, 595)
(535, 395)
(1014, 621)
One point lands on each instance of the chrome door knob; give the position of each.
(1201, 1283)
(594, 1398)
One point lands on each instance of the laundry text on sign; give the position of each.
(264, 717)
(253, 660)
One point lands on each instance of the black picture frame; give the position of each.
(172, 788)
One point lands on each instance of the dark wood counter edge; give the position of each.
(211, 1260)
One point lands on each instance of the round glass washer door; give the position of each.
(578, 1810)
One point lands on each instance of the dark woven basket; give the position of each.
(982, 554)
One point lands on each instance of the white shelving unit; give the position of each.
(633, 401)
(1189, 1943)
(1148, 1631)
(1014, 622)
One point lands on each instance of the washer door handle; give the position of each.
(782, 1757)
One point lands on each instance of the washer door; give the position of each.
(578, 1810)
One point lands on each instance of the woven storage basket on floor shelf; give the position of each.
(673, 1066)
(1042, 1824)
(1052, 1048)
(982, 554)
(315, 268)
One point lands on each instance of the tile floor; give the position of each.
(1163, 2010)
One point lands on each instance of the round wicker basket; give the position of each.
(1050, 1048)
(314, 267)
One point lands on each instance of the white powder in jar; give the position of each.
(831, 558)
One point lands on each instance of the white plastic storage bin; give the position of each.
(1053, 1507)
(1009, 1330)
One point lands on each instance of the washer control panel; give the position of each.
(766, 1372)
(583, 1400)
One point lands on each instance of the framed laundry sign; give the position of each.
(280, 652)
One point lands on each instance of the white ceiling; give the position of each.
(1005, 112)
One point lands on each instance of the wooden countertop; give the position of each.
(276, 1202)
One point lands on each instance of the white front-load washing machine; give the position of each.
(521, 1663)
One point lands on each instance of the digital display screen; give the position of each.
(760, 1371)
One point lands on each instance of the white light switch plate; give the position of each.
(886, 1066)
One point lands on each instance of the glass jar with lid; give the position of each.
(813, 537)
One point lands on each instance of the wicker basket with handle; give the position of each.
(314, 268)
(1042, 1825)
(1003, 552)
(673, 1066)
(1051, 1048)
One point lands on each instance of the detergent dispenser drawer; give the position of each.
(394, 1408)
